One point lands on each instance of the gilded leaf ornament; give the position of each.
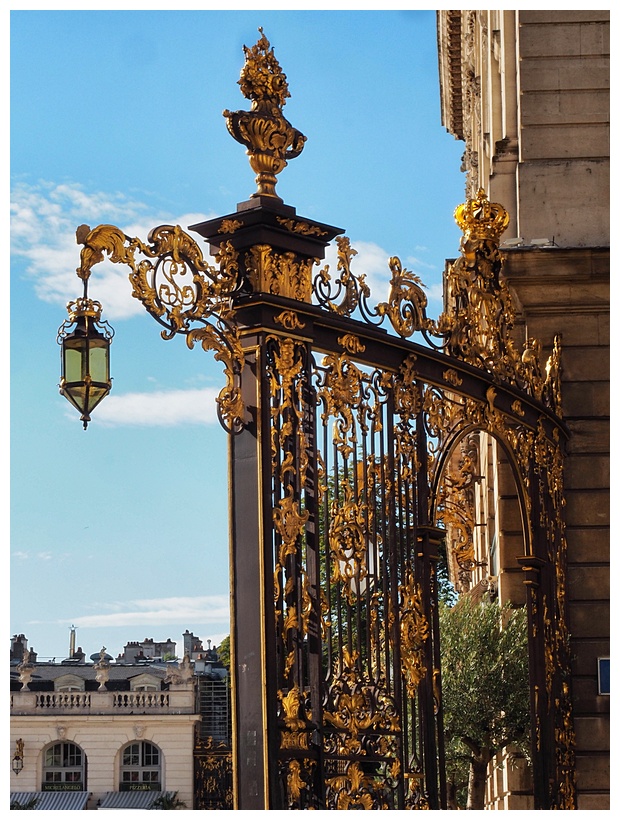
(407, 303)
(414, 630)
(294, 226)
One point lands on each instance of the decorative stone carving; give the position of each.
(25, 670)
(182, 674)
(102, 670)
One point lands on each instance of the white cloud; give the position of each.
(164, 408)
(44, 218)
(206, 609)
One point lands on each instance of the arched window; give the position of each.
(64, 768)
(140, 767)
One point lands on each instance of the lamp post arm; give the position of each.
(182, 291)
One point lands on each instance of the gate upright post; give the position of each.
(251, 620)
(276, 251)
(428, 538)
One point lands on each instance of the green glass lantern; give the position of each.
(85, 360)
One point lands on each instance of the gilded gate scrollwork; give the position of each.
(359, 445)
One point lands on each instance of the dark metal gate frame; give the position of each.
(340, 427)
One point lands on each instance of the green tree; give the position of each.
(31, 803)
(167, 800)
(223, 652)
(445, 588)
(485, 688)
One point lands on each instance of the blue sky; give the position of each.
(116, 117)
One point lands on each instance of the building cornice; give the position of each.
(449, 45)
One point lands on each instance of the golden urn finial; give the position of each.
(480, 219)
(269, 138)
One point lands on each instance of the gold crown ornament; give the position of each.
(480, 219)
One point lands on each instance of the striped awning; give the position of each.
(128, 800)
(52, 800)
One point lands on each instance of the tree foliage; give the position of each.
(485, 688)
(446, 592)
(31, 803)
(223, 652)
(168, 801)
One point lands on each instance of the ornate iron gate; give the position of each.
(341, 427)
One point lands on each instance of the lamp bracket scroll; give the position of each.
(180, 289)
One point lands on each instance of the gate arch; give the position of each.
(457, 475)
(340, 423)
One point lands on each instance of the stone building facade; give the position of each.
(528, 93)
(102, 735)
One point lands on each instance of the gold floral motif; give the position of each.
(307, 607)
(294, 740)
(286, 386)
(455, 500)
(491, 395)
(415, 797)
(294, 780)
(105, 238)
(341, 393)
(452, 377)
(269, 138)
(552, 389)
(407, 391)
(289, 320)
(407, 303)
(414, 631)
(290, 621)
(348, 537)
(289, 521)
(353, 288)
(354, 790)
(281, 274)
(230, 225)
(231, 409)
(290, 658)
(439, 412)
(357, 706)
(351, 343)
(303, 228)
(291, 705)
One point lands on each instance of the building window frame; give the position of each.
(141, 767)
(64, 767)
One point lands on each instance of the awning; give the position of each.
(52, 800)
(128, 800)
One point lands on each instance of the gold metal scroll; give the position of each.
(181, 290)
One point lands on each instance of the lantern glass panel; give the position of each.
(73, 360)
(76, 395)
(95, 394)
(98, 360)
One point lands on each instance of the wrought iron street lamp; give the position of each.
(17, 764)
(85, 360)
